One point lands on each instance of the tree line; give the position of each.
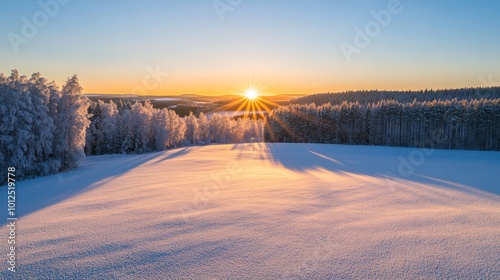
(448, 124)
(45, 129)
(366, 97)
(139, 128)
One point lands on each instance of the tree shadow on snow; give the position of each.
(38, 193)
(177, 153)
(467, 171)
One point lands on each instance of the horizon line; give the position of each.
(295, 94)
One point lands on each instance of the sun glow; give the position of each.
(254, 101)
(251, 94)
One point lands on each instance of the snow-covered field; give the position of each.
(264, 211)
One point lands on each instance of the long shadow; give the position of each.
(469, 171)
(248, 147)
(178, 153)
(38, 193)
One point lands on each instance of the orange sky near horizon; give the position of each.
(218, 86)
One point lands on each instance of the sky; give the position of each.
(275, 46)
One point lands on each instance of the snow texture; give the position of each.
(264, 211)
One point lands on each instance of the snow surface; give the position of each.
(264, 211)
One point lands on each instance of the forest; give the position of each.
(472, 124)
(365, 97)
(140, 128)
(47, 129)
(42, 126)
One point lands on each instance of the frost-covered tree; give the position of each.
(192, 129)
(16, 124)
(159, 129)
(168, 129)
(124, 135)
(133, 133)
(71, 124)
(204, 129)
(42, 129)
(177, 129)
(102, 133)
(221, 128)
(109, 122)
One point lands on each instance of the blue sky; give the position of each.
(276, 46)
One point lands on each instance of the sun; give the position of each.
(251, 94)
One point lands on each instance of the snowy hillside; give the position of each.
(264, 211)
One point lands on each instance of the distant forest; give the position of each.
(466, 118)
(365, 97)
